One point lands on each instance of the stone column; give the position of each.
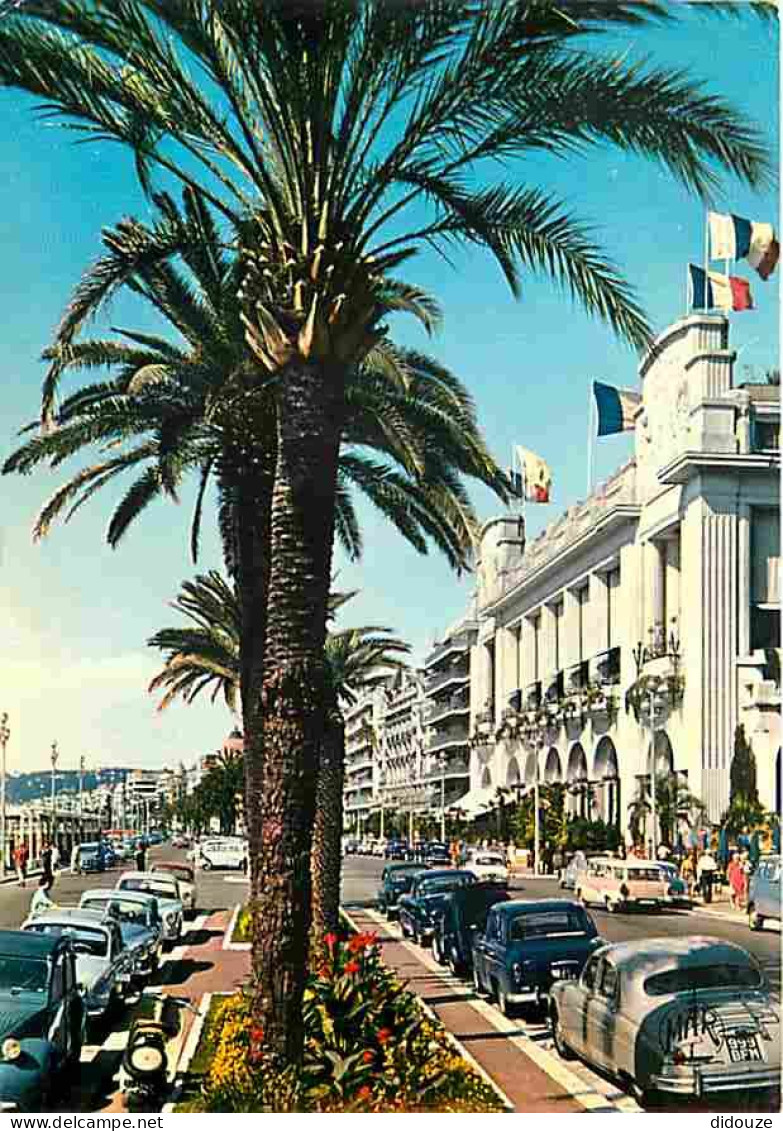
(547, 646)
(569, 645)
(596, 616)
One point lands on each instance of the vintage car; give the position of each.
(486, 864)
(764, 893)
(619, 885)
(462, 916)
(568, 875)
(690, 1015)
(222, 853)
(89, 858)
(166, 891)
(185, 876)
(104, 965)
(397, 850)
(396, 880)
(140, 924)
(41, 1018)
(418, 908)
(528, 945)
(677, 894)
(436, 854)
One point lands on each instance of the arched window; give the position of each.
(576, 776)
(607, 778)
(553, 771)
(513, 776)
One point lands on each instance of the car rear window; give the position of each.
(84, 940)
(437, 887)
(542, 924)
(643, 874)
(718, 975)
(149, 887)
(19, 973)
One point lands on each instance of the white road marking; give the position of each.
(581, 1084)
(116, 1042)
(89, 1053)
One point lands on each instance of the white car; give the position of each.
(166, 891)
(185, 875)
(223, 854)
(486, 864)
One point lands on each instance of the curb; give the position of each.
(227, 944)
(453, 1041)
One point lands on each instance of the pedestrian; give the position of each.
(687, 874)
(20, 865)
(705, 871)
(46, 861)
(55, 857)
(75, 859)
(141, 857)
(736, 880)
(663, 852)
(42, 900)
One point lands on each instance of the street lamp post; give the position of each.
(443, 759)
(537, 818)
(53, 757)
(5, 734)
(81, 787)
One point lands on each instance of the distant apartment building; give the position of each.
(401, 746)
(446, 758)
(635, 633)
(361, 792)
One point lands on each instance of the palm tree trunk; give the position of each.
(326, 854)
(294, 693)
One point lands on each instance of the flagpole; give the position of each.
(706, 260)
(590, 438)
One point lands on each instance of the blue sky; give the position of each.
(77, 614)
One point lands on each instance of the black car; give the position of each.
(398, 850)
(420, 907)
(463, 915)
(396, 880)
(436, 855)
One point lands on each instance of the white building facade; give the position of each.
(663, 584)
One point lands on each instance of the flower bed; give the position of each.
(243, 926)
(368, 1047)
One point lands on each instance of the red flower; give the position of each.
(324, 972)
(364, 1093)
(330, 939)
(351, 967)
(360, 942)
(368, 1057)
(384, 1035)
(257, 1034)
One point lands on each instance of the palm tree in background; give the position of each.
(206, 657)
(346, 136)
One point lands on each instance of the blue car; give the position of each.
(42, 1018)
(764, 893)
(419, 909)
(527, 945)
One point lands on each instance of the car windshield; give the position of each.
(716, 976)
(18, 973)
(437, 848)
(149, 887)
(544, 924)
(84, 939)
(438, 887)
(127, 911)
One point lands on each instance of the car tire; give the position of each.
(478, 985)
(455, 966)
(562, 1047)
(206, 865)
(437, 953)
(415, 937)
(755, 921)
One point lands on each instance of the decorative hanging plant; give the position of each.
(671, 685)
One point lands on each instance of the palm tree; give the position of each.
(352, 133)
(208, 656)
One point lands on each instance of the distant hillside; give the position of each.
(38, 785)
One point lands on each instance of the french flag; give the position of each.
(713, 291)
(732, 237)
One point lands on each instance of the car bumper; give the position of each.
(707, 1082)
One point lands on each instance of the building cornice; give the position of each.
(685, 466)
(617, 516)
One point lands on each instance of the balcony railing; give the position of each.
(460, 642)
(453, 770)
(446, 736)
(555, 688)
(446, 706)
(459, 672)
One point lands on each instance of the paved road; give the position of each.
(529, 1031)
(94, 1087)
(361, 880)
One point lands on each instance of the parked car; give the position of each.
(437, 854)
(398, 850)
(618, 885)
(487, 864)
(41, 1018)
(222, 853)
(685, 1015)
(140, 924)
(396, 880)
(185, 877)
(104, 965)
(528, 945)
(462, 916)
(568, 876)
(166, 891)
(764, 893)
(417, 909)
(677, 894)
(89, 858)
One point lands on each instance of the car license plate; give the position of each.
(743, 1048)
(564, 973)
